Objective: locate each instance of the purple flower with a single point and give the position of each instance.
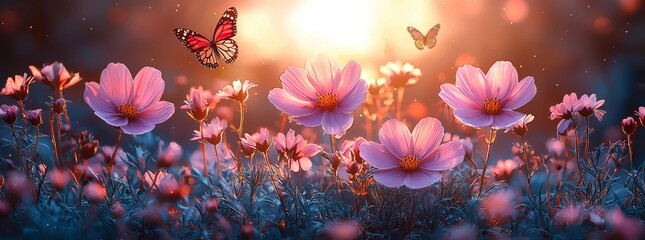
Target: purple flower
(519, 127)
(588, 105)
(321, 94)
(56, 76)
(35, 117)
(629, 125)
(482, 100)
(565, 111)
(212, 131)
(9, 113)
(411, 159)
(196, 105)
(169, 156)
(132, 105)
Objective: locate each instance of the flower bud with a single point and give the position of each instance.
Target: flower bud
(9, 113)
(117, 210)
(59, 106)
(35, 117)
(629, 126)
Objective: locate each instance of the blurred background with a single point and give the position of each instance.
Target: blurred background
(568, 46)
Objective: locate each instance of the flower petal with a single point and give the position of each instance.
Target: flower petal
(473, 118)
(350, 76)
(506, 118)
(354, 98)
(321, 71)
(148, 87)
(310, 150)
(522, 94)
(421, 179)
(396, 137)
(113, 119)
(289, 104)
(447, 156)
(454, 97)
(137, 126)
(312, 120)
(394, 177)
(73, 80)
(97, 99)
(378, 156)
(295, 82)
(116, 81)
(336, 122)
(158, 113)
(426, 136)
(500, 80)
(471, 83)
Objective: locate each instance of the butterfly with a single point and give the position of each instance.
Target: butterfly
(429, 40)
(210, 52)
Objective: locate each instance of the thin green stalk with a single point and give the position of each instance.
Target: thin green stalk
(489, 141)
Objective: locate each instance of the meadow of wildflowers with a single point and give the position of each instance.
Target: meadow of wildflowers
(401, 179)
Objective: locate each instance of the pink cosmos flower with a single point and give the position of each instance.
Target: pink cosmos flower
(519, 127)
(260, 141)
(482, 100)
(56, 76)
(498, 207)
(641, 115)
(400, 74)
(565, 111)
(95, 192)
(569, 215)
(196, 105)
(411, 159)
(212, 131)
(505, 169)
(132, 105)
(351, 162)
(296, 150)
(169, 156)
(237, 91)
(625, 227)
(18, 87)
(211, 99)
(555, 147)
(9, 113)
(321, 94)
(589, 105)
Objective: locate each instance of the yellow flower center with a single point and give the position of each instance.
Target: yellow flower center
(410, 163)
(128, 110)
(492, 106)
(327, 101)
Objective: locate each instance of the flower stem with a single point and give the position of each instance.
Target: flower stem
(240, 130)
(558, 197)
(399, 101)
(528, 170)
(116, 149)
(278, 192)
(587, 136)
(19, 148)
(33, 154)
(201, 134)
(490, 140)
(219, 164)
(53, 139)
(631, 164)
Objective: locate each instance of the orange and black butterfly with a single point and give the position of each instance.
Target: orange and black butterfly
(421, 41)
(221, 48)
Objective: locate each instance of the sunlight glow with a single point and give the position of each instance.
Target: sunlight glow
(333, 24)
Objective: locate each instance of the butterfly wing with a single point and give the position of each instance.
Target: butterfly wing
(419, 39)
(226, 28)
(198, 44)
(431, 36)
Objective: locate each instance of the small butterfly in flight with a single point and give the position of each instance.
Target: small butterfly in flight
(429, 40)
(221, 48)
